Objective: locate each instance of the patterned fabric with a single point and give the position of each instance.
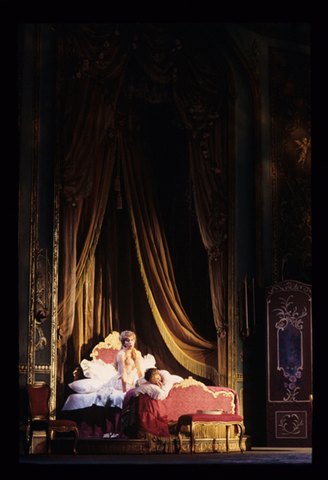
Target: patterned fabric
(153, 416)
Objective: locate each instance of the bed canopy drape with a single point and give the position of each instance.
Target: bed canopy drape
(102, 158)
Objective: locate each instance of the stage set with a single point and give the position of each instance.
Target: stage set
(165, 174)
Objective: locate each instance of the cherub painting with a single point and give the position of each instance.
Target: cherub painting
(303, 146)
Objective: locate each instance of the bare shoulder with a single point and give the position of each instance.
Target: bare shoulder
(120, 355)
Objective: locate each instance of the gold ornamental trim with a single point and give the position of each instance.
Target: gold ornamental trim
(34, 207)
(231, 362)
(111, 341)
(23, 369)
(55, 245)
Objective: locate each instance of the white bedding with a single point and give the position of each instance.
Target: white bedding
(102, 386)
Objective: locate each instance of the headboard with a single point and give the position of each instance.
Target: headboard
(107, 350)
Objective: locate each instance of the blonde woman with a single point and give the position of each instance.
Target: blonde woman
(105, 385)
(129, 366)
(128, 361)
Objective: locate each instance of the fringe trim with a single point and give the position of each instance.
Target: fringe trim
(198, 368)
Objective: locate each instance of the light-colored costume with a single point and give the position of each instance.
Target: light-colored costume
(103, 384)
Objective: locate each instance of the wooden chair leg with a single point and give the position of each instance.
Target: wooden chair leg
(227, 438)
(192, 443)
(48, 437)
(192, 437)
(179, 437)
(30, 439)
(180, 442)
(242, 431)
(76, 431)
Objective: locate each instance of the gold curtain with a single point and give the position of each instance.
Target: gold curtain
(190, 349)
(80, 228)
(96, 60)
(88, 156)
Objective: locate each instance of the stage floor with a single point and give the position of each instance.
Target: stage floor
(292, 456)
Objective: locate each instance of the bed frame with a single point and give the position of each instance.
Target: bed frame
(211, 437)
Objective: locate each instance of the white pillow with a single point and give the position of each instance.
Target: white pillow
(147, 361)
(140, 381)
(77, 401)
(85, 385)
(98, 369)
(169, 380)
(176, 378)
(158, 393)
(152, 390)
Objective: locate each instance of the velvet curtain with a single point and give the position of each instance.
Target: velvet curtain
(86, 176)
(210, 194)
(96, 137)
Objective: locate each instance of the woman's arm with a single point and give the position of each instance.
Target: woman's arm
(121, 368)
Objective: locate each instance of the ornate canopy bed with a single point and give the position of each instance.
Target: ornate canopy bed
(115, 264)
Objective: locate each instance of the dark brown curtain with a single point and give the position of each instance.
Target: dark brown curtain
(100, 135)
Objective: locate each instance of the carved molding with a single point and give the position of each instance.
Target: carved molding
(112, 341)
(43, 280)
(289, 337)
(55, 243)
(231, 300)
(290, 319)
(291, 424)
(54, 295)
(42, 294)
(34, 205)
(291, 285)
(22, 369)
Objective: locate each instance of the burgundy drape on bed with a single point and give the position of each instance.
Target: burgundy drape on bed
(100, 139)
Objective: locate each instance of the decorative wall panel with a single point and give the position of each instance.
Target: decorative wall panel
(291, 424)
(289, 364)
(38, 216)
(290, 104)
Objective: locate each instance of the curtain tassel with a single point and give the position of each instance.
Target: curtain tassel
(117, 185)
(119, 205)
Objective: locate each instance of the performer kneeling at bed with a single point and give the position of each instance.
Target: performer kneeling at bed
(152, 375)
(156, 383)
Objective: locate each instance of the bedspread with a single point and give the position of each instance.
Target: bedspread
(143, 413)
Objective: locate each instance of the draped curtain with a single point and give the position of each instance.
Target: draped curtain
(99, 135)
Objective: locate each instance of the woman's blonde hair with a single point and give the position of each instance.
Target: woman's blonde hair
(127, 334)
